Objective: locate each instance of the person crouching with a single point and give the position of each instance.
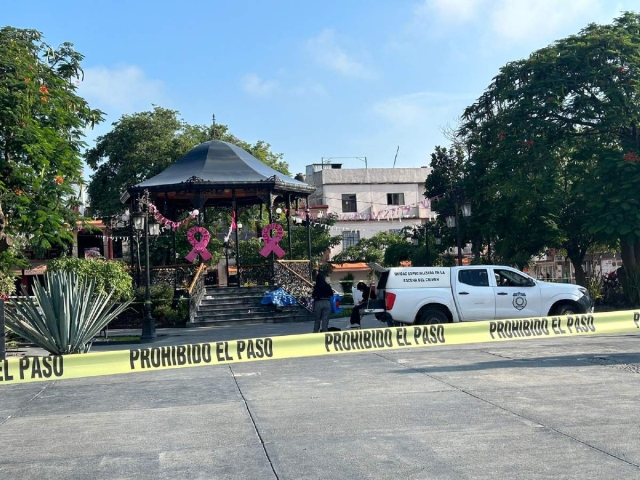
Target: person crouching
(354, 321)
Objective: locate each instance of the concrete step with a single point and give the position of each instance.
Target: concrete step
(233, 305)
(210, 309)
(248, 312)
(231, 300)
(237, 291)
(275, 318)
(213, 299)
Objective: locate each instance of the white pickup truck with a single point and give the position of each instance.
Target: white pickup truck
(430, 295)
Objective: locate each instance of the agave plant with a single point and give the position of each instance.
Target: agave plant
(64, 315)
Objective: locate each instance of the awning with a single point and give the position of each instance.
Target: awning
(353, 267)
(34, 270)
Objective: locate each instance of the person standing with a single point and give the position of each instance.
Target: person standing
(322, 293)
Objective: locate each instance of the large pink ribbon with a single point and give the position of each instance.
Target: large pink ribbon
(271, 243)
(199, 246)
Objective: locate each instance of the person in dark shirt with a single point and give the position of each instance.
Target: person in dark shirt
(322, 293)
(355, 313)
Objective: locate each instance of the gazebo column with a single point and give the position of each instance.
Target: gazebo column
(235, 216)
(289, 225)
(270, 214)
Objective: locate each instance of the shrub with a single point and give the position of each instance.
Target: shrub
(346, 283)
(109, 276)
(164, 313)
(161, 299)
(7, 284)
(65, 314)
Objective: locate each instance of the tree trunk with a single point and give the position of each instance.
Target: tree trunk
(576, 253)
(629, 276)
(5, 243)
(581, 278)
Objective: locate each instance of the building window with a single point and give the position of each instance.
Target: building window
(349, 239)
(349, 204)
(395, 198)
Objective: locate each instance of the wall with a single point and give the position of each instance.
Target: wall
(371, 187)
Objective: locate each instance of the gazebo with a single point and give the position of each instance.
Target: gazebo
(220, 174)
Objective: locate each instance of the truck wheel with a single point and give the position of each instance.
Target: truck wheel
(565, 309)
(432, 317)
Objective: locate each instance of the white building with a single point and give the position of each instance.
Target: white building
(368, 200)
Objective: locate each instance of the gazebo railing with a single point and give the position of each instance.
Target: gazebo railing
(176, 276)
(287, 274)
(261, 274)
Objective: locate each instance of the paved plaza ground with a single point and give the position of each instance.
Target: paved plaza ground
(564, 408)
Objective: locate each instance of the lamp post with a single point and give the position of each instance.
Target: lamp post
(142, 224)
(454, 222)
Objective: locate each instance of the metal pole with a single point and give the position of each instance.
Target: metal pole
(235, 211)
(426, 242)
(226, 254)
(3, 349)
(148, 323)
(289, 225)
(309, 239)
(458, 234)
(271, 255)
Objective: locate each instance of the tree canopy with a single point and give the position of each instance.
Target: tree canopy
(143, 144)
(42, 123)
(552, 148)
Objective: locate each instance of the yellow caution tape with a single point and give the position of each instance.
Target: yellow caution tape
(56, 367)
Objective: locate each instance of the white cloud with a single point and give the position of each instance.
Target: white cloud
(121, 89)
(418, 109)
(516, 20)
(414, 122)
(326, 51)
(520, 20)
(310, 88)
(254, 85)
(458, 11)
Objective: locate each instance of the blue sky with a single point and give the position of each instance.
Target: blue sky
(315, 79)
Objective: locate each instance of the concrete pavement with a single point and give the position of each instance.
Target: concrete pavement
(558, 409)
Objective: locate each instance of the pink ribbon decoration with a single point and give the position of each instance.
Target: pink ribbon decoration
(271, 243)
(199, 246)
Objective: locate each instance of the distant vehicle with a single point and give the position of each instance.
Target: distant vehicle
(431, 295)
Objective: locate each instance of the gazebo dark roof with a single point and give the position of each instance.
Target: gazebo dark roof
(220, 164)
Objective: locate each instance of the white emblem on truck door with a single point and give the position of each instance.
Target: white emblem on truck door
(519, 300)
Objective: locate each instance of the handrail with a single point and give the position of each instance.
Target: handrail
(196, 276)
(163, 267)
(293, 261)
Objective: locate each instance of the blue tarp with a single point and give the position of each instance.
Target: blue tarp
(278, 297)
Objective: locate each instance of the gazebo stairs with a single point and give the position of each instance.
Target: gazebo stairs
(240, 305)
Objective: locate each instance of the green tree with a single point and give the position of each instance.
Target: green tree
(559, 134)
(372, 249)
(138, 147)
(144, 144)
(109, 277)
(42, 123)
